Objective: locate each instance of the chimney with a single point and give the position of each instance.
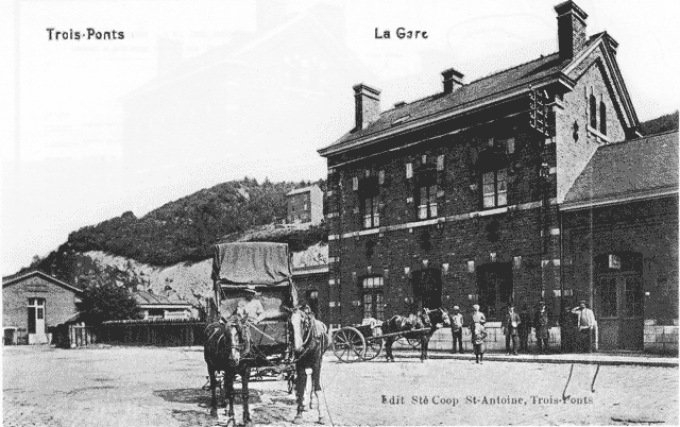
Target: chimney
(366, 105)
(571, 29)
(452, 80)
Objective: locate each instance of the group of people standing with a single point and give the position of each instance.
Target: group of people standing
(517, 328)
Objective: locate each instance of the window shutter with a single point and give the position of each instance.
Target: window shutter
(381, 177)
(409, 170)
(355, 183)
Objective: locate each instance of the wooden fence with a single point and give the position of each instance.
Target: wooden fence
(156, 332)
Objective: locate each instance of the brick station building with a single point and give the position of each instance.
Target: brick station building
(456, 198)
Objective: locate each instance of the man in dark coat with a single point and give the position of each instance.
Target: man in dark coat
(524, 329)
(510, 327)
(541, 325)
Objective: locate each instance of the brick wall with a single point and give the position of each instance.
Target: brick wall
(575, 142)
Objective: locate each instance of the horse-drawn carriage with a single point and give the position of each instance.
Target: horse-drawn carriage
(365, 342)
(261, 329)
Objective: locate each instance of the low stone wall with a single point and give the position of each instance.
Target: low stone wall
(661, 339)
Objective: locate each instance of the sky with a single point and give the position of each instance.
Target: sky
(74, 147)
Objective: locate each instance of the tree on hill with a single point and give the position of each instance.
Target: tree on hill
(661, 124)
(107, 301)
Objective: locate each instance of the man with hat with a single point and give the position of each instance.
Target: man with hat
(510, 327)
(251, 309)
(457, 329)
(541, 326)
(586, 326)
(524, 328)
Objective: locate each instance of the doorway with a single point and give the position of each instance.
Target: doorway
(494, 287)
(36, 321)
(619, 302)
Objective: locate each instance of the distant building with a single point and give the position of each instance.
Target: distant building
(305, 205)
(32, 303)
(159, 307)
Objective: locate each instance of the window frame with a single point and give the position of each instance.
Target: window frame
(376, 302)
(592, 111)
(374, 212)
(496, 191)
(603, 119)
(431, 208)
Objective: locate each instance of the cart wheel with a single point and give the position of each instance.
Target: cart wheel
(373, 348)
(349, 345)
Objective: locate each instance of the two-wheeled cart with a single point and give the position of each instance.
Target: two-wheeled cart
(365, 342)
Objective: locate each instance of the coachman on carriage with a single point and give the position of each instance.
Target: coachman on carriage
(260, 325)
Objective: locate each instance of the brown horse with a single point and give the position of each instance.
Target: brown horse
(309, 343)
(223, 352)
(428, 319)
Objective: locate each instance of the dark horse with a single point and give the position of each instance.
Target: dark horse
(427, 319)
(309, 343)
(222, 352)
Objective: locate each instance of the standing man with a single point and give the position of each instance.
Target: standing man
(477, 333)
(510, 327)
(541, 323)
(524, 329)
(586, 326)
(457, 329)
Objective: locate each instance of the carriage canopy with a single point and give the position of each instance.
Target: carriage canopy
(261, 264)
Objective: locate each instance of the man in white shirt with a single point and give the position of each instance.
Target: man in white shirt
(586, 327)
(251, 310)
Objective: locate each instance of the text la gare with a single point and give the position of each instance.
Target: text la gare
(401, 33)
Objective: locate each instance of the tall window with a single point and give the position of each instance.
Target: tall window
(495, 188)
(373, 299)
(371, 214)
(427, 202)
(593, 112)
(603, 118)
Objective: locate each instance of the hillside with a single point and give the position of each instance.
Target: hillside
(183, 230)
(660, 124)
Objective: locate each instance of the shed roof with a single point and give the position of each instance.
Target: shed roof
(628, 170)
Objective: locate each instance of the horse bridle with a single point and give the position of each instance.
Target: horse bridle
(307, 321)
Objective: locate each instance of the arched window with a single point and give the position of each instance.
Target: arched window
(593, 112)
(603, 118)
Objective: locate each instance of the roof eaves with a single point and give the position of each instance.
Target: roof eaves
(452, 112)
(40, 273)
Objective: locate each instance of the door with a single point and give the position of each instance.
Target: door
(619, 311)
(494, 287)
(36, 321)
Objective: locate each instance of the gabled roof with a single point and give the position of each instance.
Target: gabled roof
(472, 94)
(627, 171)
(145, 299)
(503, 85)
(13, 279)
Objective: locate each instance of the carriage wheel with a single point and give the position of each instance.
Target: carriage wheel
(349, 345)
(373, 348)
